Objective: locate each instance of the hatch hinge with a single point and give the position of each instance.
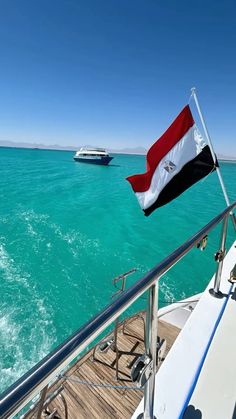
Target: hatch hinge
(219, 256)
(203, 243)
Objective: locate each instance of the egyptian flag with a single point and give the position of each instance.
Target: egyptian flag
(177, 160)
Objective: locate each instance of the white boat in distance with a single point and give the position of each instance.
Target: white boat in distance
(93, 155)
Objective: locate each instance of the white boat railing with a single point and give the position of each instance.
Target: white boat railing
(38, 378)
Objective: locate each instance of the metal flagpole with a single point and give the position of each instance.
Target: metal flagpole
(193, 90)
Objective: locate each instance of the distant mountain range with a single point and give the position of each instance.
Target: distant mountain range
(135, 150)
(36, 145)
(127, 150)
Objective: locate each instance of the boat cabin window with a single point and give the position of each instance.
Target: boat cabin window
(92, 155)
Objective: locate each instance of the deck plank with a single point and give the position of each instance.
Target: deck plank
(85, 402)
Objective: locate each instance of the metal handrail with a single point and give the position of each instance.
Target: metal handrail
(21, 392)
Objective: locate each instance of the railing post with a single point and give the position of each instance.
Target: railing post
(41, 402)
(151, 348)
(215, 292)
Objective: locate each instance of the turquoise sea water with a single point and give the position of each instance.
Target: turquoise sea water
(67, 229)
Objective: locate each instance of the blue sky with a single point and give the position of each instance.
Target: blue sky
(115, 73)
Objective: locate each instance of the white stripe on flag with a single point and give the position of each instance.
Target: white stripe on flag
(184, 151)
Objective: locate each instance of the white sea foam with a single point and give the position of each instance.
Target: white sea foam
(31, 230)
(31, 215)
(32, 222)
(75, 240)
(9, 271)
(167, 290)
(14, 362)
(26, 328)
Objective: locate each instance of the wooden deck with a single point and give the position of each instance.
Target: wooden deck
(86, 401)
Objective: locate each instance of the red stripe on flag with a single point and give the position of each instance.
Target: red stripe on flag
(176, 131)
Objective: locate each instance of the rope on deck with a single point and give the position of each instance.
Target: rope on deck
(87, 383)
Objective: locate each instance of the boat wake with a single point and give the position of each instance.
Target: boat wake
(26, 331)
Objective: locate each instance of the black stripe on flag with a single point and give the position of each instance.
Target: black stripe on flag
(191, 173)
